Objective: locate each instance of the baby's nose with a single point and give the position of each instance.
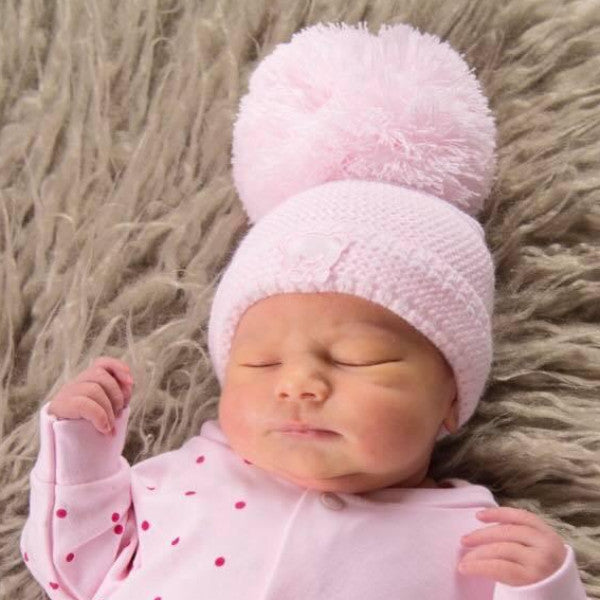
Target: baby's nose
(301, 385)
(286, 395)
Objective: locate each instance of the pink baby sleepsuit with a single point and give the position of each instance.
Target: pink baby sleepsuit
(201, 523)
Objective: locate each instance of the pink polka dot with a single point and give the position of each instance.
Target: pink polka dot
(70, 557)
(200, 459)
(247, 462)
(26, 557)
(175, 542)
(158, 598)
(54, 585)
(118, 529)
(145, 525)
(220, 561)
(61, 513)
(190, 493)
(115, 517)
(240, 504)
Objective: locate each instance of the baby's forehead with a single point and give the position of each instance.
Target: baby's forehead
(326, 305)
(329, 313)
(350, 330)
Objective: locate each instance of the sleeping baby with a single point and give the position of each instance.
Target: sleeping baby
(349, 333)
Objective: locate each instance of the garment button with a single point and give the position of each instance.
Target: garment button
(333, 501)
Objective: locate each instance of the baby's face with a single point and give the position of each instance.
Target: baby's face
(338, 363)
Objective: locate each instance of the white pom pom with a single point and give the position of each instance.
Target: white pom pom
(337, 102)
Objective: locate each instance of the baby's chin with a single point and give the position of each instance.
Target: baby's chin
(347, 483)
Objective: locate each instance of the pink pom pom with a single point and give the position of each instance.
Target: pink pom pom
(337, 102)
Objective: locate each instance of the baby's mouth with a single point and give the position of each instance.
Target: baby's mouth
(305, 431)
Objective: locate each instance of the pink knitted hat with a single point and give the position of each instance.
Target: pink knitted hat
(361, 160)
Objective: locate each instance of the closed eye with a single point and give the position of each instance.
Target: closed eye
(382, 362)
(373, 364)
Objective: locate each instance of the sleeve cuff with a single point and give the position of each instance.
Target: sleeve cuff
(562, 584)
(73, 451)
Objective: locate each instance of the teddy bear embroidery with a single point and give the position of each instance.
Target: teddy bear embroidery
(311, 256)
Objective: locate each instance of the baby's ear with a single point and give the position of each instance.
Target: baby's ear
(451, 419)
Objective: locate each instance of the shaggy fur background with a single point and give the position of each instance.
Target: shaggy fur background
(117, 215)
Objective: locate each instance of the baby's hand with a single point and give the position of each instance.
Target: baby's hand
(522, 551)
(96, 394)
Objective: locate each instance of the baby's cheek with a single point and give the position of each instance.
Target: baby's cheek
(232, 417)
(385, 433)
(374, 436)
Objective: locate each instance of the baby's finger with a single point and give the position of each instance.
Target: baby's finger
(516, 553)
(115, 366)
(514, 516)
(112, 363)
(117, 393)
(504, 533)
(81, 407)
(118, 369)
(93, 392)
(502, 571)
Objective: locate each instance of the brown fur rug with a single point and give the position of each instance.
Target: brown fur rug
(118, 213)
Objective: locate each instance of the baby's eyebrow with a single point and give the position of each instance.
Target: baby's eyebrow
(376, 328)
(342, 329)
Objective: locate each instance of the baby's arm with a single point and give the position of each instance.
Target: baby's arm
(79, 518)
